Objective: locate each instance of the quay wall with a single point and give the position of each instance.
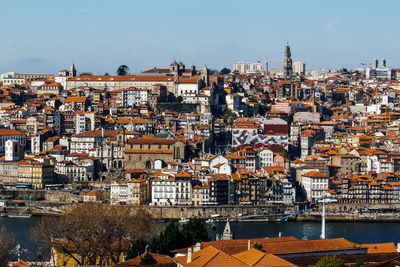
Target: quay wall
(348, 207)
(350, 218)
(40, 195)
(205, 212)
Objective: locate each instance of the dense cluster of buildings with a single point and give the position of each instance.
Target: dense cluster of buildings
(182, 136)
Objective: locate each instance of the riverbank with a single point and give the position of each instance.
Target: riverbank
(267, 213)
(350, 217)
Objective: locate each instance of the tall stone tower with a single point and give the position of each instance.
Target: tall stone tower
(72, 71)
(287, 63)
(383, 63)
(205, 75)
(375, 63)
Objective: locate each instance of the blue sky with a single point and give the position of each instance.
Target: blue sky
(48, 35)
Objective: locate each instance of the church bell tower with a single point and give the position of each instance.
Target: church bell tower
(287, 63)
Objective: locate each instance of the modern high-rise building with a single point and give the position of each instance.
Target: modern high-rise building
(287, 63)
(249, 67)
(299, 68)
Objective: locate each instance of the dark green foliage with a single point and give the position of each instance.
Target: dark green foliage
(137, 248)
(122, 70)
(86, 74)
(358, 263)
(229, 116)
(194, 231)
(366, 145)
(147, 259)
(175, 237)
(179, 99)
(329, 261)
(262, 109)
(257, 246)
(169, 239)
(171, 98)
(225, 71)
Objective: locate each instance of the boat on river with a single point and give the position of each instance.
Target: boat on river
(19, 215)
(183, 220)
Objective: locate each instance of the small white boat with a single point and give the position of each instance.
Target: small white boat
(183, 220)
(26, 215)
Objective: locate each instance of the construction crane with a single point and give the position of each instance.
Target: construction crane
(387, 115)
(267, 61)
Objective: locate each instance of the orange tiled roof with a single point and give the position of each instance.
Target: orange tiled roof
(381, 248)
(10, 132)
(161, 260)
(210, 256)
(254, 257)
(148, 151)
(153, 140)
(315, 174)
(75, 99)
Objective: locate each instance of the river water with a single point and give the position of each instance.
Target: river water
(359, 232)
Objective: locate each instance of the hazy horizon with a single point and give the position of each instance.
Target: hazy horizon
(98, 36)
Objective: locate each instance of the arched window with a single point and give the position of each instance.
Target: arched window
(120, 164)
(178, 152)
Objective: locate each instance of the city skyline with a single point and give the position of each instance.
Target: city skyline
(98, 36)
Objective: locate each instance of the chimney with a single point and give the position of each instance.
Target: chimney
(248, 245)
(197, 247)
(280, 234)
(189, 255)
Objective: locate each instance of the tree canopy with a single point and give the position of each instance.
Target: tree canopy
(175, 237)
(86, 73)
(147, 259)
(329, 261)
(225, 71)
(7, 243)
(122, 70)
(98, 233)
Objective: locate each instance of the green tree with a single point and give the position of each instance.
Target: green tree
(358, 263)
(194, 231)
(179, 99)
(138, 247)
(86, 74)
(329, 261)
(257, 246)
(122, 70)
(229, 116)
(225, 71)
(171, 98)
(175, 237)
(366, 145)
(147, 259)
(167, 240)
